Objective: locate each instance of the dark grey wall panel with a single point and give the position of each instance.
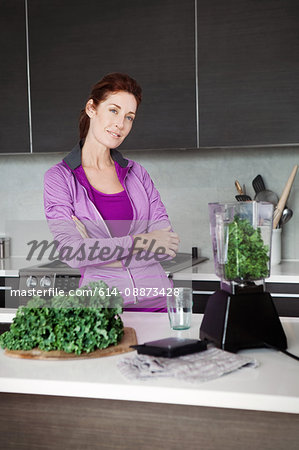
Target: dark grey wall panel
(248, 72)
(14, 130)
(74, 43)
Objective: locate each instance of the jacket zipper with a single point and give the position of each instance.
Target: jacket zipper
(134, 218)
(108, 231)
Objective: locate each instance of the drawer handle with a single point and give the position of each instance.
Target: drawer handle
(203, 292)
(275, 294)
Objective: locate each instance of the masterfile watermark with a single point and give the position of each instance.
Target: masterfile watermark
(91, 292)
(95, 253)
(54, 292)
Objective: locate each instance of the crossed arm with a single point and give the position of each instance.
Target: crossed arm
(155, 239)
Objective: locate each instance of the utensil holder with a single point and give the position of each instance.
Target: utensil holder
(276, 246)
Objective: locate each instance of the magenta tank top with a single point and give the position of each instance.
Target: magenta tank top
(116, 210)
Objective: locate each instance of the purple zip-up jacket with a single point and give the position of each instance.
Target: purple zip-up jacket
(66, 193)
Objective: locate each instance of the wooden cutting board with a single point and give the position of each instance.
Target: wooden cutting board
(129, 338)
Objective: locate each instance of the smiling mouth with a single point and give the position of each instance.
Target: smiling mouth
(114, 135)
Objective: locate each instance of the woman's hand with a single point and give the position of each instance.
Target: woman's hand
(80, 227)
(156, 239)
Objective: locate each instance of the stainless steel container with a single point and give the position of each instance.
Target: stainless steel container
(4, 247)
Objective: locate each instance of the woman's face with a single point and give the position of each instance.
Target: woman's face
(111, 121)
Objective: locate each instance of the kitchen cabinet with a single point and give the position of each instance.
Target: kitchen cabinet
(285, 295)
(248, 72)
(62, 422)
(87, 403)
(74, 43)
(14, 112)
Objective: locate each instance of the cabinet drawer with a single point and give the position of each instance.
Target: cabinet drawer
(289, 289)
(286, 306)
(201, 292)
(7, 300)
(285, 295)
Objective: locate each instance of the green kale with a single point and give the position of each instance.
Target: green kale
(78, 323)
(247, 255)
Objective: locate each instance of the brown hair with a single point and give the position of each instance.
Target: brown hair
(113, 82)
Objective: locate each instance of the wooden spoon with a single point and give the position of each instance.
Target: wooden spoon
(284, 197)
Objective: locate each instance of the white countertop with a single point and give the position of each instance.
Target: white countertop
(273, 386)
(9, 267)
(285, 272)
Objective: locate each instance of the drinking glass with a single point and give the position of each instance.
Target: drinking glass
(179, 307)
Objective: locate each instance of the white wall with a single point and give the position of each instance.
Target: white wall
(187, 180)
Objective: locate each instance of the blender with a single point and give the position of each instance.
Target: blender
(241, 314)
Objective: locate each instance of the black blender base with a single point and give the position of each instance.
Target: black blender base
(244, 320)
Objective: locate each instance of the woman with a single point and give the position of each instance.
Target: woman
(104, 211)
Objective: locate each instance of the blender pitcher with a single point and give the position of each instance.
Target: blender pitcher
(241, 240)
(241, 314)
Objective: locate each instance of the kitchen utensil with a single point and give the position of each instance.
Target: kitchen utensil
(258, 184)
(267, 196)
(239, 189)
(128, 339)
(171, 347)
(284, 197)
(231, 225)
(241, 314)
(287, 214)
(241, 197)
(261, 193)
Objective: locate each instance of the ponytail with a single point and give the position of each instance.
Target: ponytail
(84, 122)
